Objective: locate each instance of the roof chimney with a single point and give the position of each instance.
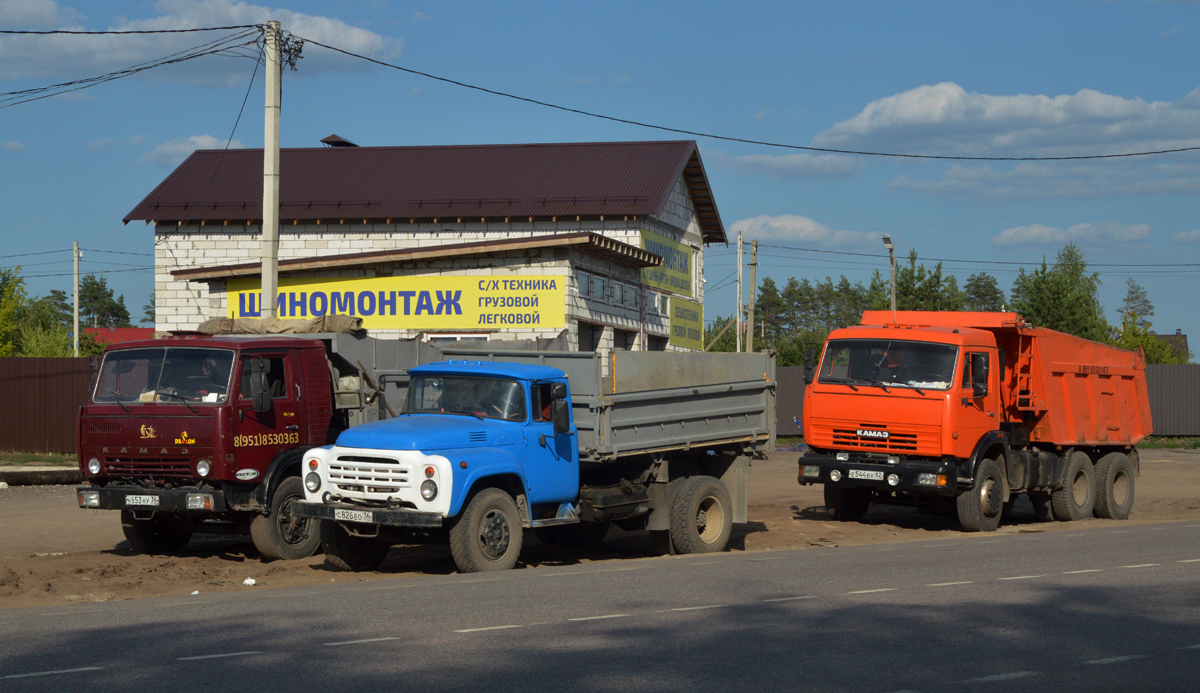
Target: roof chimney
(335, 141)
(1178, 331)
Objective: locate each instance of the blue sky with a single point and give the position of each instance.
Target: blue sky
(980, 78)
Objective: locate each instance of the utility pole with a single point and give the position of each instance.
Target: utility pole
(891, 248)
(753, 290)
(740, 294)
(270, 206)
(75, 321)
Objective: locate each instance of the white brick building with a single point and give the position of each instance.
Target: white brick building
(584, 212)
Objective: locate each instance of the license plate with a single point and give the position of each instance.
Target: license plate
(141, 500)
(865, 474)
(356, 515)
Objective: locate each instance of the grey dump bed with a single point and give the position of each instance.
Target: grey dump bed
(639, 402)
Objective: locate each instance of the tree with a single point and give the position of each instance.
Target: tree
(1064, 297)
(982, 293)
(728, 340)
(1136, 302)
(12, 301)
(98, 307)
(917, 288)
(1135, 333)
(148, 309)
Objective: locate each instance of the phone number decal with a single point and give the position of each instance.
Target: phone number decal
(259, 439)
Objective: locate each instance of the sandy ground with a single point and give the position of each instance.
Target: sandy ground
(52, 552)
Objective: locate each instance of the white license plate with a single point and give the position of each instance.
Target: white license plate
(865, 474)
(141, 500)
(356, 515)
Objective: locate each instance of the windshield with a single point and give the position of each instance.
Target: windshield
(164, 375)
(491, 398)
(891, 362)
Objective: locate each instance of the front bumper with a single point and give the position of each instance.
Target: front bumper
(345, 512)
(165, 500)
(907, 472)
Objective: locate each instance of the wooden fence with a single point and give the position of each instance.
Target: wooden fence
(39, 403)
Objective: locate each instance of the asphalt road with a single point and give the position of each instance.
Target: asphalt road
(1111, 608)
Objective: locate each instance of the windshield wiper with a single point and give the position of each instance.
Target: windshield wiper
(179, 397)
(840, 381)
(465, 413)
(116, 397)
(874, 382)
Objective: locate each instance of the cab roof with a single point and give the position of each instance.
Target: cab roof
(243, 341)
(499, 369)
(942, 334)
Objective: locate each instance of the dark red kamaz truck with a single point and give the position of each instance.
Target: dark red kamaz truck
(204, 433)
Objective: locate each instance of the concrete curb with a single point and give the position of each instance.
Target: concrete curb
(39, 476)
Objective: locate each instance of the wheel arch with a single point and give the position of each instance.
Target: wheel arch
(286, 463)
(992, 445)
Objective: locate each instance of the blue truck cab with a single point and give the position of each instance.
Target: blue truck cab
(480, 449)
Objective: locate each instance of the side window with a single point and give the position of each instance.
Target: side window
(542, 397)
(975, 371)
(276, 382)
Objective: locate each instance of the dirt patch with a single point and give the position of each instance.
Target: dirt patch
(63, 555)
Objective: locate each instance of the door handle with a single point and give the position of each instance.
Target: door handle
(295, 427)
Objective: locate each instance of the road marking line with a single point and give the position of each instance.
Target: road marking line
(1140, 565)
(773, 558)
(705, 563)
(947, 584)
(480, 630)
(1121, 531)
(573, 572)
(358, 642)
(218, 656)
(1002, 677)
(1191, 560)
(789, 599)
(1076, 572)
(1158, 529)
(1021, 577)
(50, 673)
(1113, 660)
(1190, 647)
(881, 589)
(598, 618)
(697, 608)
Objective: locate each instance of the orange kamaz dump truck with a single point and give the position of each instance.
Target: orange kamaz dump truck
(963, 412)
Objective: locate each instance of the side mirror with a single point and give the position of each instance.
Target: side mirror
(979, 375)
(808, 365)
(558, 391)
(978, 390)
(560, 412)
(260, 396)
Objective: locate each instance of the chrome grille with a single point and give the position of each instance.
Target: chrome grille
(368, 474)
(895, 442)
(156, 466)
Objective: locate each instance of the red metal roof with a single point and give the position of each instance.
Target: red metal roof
(117, 335)
(493, 181)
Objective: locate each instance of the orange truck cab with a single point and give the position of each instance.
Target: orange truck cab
(963, 412)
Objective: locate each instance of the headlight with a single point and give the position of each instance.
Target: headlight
(199, 501)
(812, 470)
(203, 468)
(842, 456)
(89, 499)
(428, 489)
(893, 480)
(312, 482)
(93, 466)
(835, 475)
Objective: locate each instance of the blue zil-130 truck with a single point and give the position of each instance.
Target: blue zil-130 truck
(502, 441)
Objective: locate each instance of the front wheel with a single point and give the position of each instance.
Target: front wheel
(980, 507)
(344, 551)
(701, 516)
(280, 535)
(846, 504)
(158, 535)
(488, 533)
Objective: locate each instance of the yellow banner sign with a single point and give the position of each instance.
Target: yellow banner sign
(687, 323)
(675, 273)
(414, 303)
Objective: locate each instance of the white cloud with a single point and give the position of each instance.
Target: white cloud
(798, 229)
(763, 114)
(172, 153)
(1048, 180)
(14, 146)
(948, 120)
(799, 165)
(1186, 237)
(96, 145)
(39, 57)
(34, 14)
(1106, 232)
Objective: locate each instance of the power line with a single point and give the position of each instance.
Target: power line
(41, 252)
(136, 31)
(695, 133)
(958, 260)
(113, 252)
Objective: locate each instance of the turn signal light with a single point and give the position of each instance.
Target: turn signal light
(429, 472)
(89, 499)
(313, 464)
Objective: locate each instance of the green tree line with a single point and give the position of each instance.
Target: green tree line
(1062, 296)
(41, 326)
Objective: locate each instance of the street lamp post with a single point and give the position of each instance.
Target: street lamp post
(887, 243)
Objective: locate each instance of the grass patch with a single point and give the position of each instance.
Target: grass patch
(40, 459)
(788, 441)
(1174, 442)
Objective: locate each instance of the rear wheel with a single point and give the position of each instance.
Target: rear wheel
(701, 516)
(344, 551)
(488, 533)
(1114, 486)
(846, 504)
(158, 535)
(280, 535)
(1076, 499)
(980, 508)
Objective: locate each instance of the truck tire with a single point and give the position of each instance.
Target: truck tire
(1114, 486)
(279, 536)
(1043, 506)
(156, 536)
(846, 504)
(1077, 497)
(349, 553)
(980, 507)
(488, 533)
(701, 516)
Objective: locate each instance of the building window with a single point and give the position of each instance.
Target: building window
(624, 339)
(618, 293)
(656, 343)
(585, 284)
(589, 336)
(598, 289)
